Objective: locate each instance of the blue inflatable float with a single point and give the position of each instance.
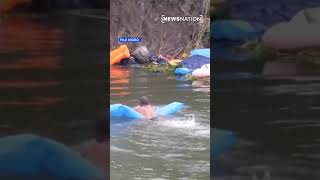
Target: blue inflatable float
(123, 111)
(182, 71)
(30, 155)
(170, 109)
(221, 141)
(202, 52)
(119, 110)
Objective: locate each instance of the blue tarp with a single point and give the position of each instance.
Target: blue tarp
(195, 62)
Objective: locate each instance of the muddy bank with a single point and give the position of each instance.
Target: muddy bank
(143, 19)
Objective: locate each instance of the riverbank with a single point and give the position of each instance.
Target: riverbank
(276, 38)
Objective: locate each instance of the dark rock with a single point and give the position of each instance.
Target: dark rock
(141, 55)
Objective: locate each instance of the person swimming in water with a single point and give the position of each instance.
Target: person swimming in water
(145, 108)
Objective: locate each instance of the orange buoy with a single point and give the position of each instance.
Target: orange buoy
(8, 5)
(118, 54)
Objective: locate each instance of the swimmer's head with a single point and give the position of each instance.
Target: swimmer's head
(143, 101)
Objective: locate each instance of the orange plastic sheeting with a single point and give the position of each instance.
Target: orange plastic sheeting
(7, 5)
(118, 54)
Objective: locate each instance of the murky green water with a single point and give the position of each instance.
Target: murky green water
(277, 121)
(172, 148)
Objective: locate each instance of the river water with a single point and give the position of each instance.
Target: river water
(52, 75)
(277, 120)
(172, 148)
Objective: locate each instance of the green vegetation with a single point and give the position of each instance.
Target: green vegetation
(190, 77)
(162, 68)
(311, 57)
(260, 52)
(305, 57)
(263, 54)
(169, 70)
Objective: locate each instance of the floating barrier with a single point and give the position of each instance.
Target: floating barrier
(119, 110)
(170, 109)
(123, 111)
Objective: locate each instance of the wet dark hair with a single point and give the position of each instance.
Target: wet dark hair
(144, 101)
